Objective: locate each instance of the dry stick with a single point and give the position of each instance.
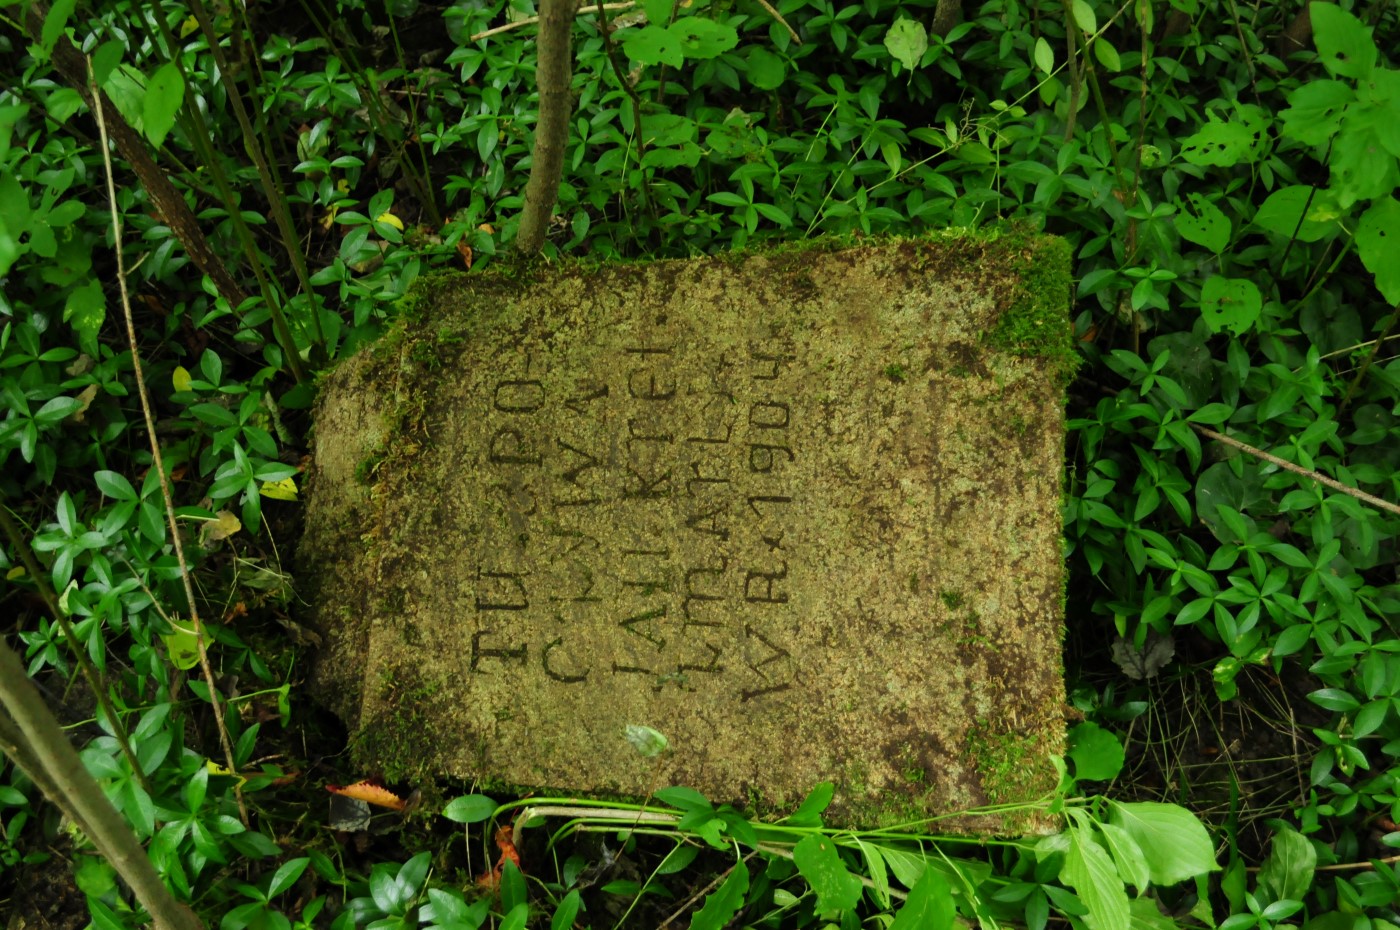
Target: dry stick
(94, 680)
(531, 20)
(779, 17)
(159, 463)
(79, 795)
(552, 75)
(1299, 470)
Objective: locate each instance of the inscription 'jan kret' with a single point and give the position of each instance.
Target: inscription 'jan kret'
(702, 597)
(793, 512)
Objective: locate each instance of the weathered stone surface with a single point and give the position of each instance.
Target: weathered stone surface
(799, 512)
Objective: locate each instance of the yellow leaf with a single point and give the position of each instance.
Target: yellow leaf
(181, 378)
(284, 489)
(188, 26)
(16, 571)
(182, 645)
(224, 525)
(394, 221)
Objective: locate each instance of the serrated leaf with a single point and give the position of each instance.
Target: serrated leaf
(1174, 843)
(907, 41)
(820, 864)
(1378, 243)
(1157, 651)
(1219, 144)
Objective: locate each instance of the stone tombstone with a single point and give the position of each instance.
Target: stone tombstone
(797, 511)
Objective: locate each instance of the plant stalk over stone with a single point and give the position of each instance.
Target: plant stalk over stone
(553, 71)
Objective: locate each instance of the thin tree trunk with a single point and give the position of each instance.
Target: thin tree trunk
(552, 77)
(164, 197)
(45, 753)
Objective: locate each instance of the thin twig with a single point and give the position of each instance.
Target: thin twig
(531, 20)
(779, 17)
(690, 901)
(1299, 470)
(159, 462)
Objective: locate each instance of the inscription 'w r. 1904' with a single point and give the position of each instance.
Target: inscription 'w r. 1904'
(640, 525)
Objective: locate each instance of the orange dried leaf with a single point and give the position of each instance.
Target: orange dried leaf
(370, 793)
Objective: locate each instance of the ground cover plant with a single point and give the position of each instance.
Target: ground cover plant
(1226, 178)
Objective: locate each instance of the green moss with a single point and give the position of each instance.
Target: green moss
(1006, 761)
(1037, 322)
(896, 373)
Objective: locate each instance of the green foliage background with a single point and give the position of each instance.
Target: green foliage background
(1228, 192)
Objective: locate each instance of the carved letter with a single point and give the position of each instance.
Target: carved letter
(761, 456)
(769, 415)
(519, 654)
(519, 396)
(501, 598)
(508, 448)
(557, 676)
(766, 580)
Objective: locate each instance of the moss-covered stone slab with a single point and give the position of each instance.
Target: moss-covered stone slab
(799, 512)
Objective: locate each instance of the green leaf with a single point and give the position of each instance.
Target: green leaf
(1315, 111)
(647, 741)
(1202, 223)
(721, 905)
(1344, 43)
(114, 485)
(685, 799)
(1288, 872)
(1084, 16)
(1283, 213)
(819, 862)
(1173, 841)
(929, 905)
(1335, 699)
(652, 45)
(165, 92)
(566, 912)
(1127, 857)
(85, 310)
(1362, 167)
(105, 59)
(764, 69)
(1044, 55)
(1220, 144)
(1230, 303)
(182, 647)
(286, 876)
(1089, 870)
(1378, 243)
(1096, 753)
(703, 38)
(54, 24)
(1107, 55)
(907, 40)
(470, 808)
(63, 103)
(809, 814)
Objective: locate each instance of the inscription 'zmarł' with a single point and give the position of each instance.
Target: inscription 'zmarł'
(792, 512)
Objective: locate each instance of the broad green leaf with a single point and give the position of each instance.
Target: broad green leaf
(721, 905)
(647, 741)
(809, 813)
(85, 310)
(566, 912)
(54, 24)
(470, 808)
(1283, 213)
(653, 45)
(1378, 243)
(703, 38)
(685, 799)
(1127, 857)
(1089, 870)
(1173, 841)
(929, 905)
(1315, 110)
(1288, 872)
(182, 647)
(907, 41)
(1044, 55)
(1107, 55)
(105, 59)
(1096, 753)
(63, 103)
(165, 92)
(764, 69)
(1220, 144)
(1230, 303)
(1344, 43)
(114, 485)
(1084, 16)
(1203, 223)
(1361, 166)
(820, 863)
(659, 11)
